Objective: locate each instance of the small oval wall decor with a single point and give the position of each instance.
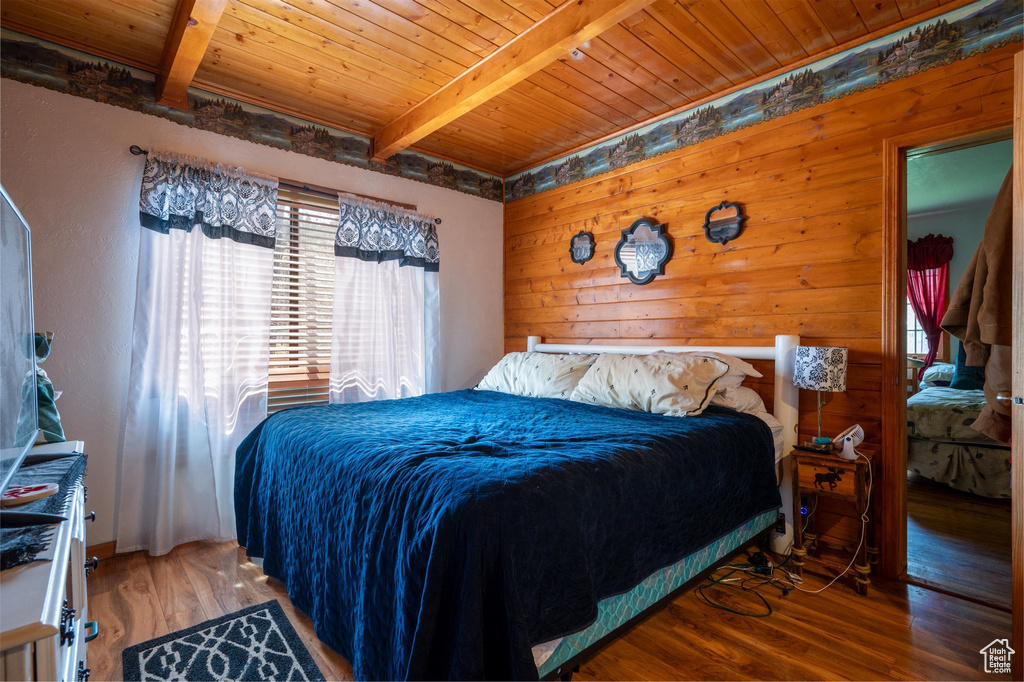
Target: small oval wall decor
(642, 251)
(581, 247)
(723, 222)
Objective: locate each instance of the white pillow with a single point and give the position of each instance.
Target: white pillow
(937, 374)
(744, 399)
(537, 375)
(738, 369)
(676, 384)
(739, 398)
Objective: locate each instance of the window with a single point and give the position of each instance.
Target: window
(302, 299)
(917, 340)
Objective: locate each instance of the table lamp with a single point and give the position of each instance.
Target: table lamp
(820, 368)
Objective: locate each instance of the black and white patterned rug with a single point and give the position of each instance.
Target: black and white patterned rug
(256, 643)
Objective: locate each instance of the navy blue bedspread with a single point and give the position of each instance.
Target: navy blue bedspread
(442, 536)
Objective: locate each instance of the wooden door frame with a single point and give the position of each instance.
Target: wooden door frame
(1017, 481)
(892, 491)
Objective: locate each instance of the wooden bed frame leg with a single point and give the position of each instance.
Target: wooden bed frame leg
(567, 676)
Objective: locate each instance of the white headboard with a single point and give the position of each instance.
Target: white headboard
(787, 396)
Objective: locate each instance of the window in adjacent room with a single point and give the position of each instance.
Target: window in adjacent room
(302, 300)
(917, 340)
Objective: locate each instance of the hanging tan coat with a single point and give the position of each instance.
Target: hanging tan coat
(980, 312)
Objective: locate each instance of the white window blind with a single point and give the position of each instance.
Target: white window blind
(302, 299)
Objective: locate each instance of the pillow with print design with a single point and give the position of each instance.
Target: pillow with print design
(938, 374)
(537, 375)
(739, 370)
(674, 384)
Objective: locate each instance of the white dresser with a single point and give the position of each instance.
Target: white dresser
(44, 624)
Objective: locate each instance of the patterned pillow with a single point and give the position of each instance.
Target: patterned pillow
(739, 370)
(537, 375)
(938, 374)
(676, 384)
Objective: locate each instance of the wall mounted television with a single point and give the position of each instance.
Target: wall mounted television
(19, 416)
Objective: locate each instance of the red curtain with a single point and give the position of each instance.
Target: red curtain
(928, 286)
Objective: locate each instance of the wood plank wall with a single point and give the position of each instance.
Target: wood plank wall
(808, 261)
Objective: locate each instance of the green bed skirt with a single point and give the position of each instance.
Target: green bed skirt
(619, 609)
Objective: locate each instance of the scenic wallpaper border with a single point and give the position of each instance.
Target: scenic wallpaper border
(976, 28)
(39, 62)
(959, 34)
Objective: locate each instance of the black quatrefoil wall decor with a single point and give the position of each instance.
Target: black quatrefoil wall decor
(581, 247)
(723, 222)
(642, 251)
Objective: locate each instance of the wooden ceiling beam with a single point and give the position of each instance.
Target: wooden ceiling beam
(566, 28)
(193, 26)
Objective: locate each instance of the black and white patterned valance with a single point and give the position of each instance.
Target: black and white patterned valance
(179, 193)
(378, 232)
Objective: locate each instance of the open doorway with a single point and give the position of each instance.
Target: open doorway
(958, 479)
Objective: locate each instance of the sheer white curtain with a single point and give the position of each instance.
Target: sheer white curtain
(386, 323)
(200, 349)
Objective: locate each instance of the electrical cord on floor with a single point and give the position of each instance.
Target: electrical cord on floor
(728, 581)
(756, 578)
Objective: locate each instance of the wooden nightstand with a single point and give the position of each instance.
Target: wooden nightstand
(828, 475)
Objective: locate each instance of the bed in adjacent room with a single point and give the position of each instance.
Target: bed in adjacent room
(943, 447)
(481, 534)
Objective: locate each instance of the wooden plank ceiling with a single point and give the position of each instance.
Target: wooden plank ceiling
(360, 65)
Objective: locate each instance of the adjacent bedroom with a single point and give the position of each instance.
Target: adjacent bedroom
(958, 451)
(511, 340)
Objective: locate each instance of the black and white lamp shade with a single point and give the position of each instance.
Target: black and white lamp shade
(820, 368)
(581, 247)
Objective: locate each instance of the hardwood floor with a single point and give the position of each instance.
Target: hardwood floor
(135, 597)
(897, 632)
(958, 542)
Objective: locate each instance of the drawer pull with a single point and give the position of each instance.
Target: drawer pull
(91, 516)
(92, 630)
(91, 565)
(83, 672)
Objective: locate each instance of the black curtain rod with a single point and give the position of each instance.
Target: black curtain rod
(139, 151)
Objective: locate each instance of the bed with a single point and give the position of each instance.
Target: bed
(943, 447)
(481, 535)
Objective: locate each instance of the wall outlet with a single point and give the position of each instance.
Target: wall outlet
(780, 523)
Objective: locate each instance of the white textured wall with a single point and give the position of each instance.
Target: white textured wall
(965, 224)
(65, 162)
